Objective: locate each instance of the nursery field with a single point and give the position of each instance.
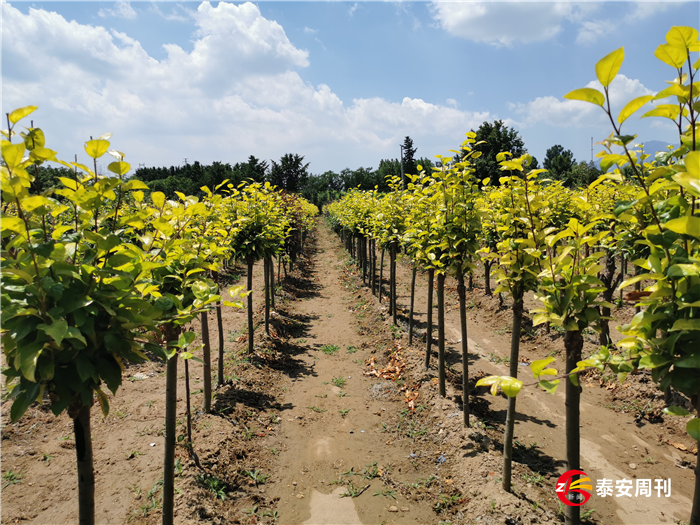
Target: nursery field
(481, 344)
(321, 409)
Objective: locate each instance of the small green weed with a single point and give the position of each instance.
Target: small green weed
(330, 349)
(317, 409)
(214, 485)
(12, 478)
(339, 381)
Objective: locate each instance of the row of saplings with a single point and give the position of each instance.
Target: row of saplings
(100, 271)
(443, 219)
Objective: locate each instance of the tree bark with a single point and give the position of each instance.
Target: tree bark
(86, 473)
(573, 342)
(271, 266)
(487, 278)
(393, 282)
(429, 327)
(266, 275)
(695, 512)
(250, 261)
(171, 334)
(465, 345)
(220, 324)
(413, 297)
(381, 277)
(206, 357)
(441, 334)
(510, 414)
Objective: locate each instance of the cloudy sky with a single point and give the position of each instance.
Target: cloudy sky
(340, 83)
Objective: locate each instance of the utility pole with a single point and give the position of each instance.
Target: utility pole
(403, 176)
(591, 149)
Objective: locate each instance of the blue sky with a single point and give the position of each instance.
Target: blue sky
(340, 83)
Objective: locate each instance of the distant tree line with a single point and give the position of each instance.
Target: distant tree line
(291, 173)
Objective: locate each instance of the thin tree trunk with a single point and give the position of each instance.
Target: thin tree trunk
(271, 266)
(279, 266)
(206, 357)
(250, 261)
(220, 324)
(573, 342)
(373, 251)
(429, 328)
(381, 276)
(171, 334)
(363, 256)
(86, 473)
(465, 345)
(266, 274)
(413, 297)
(441, 334)
(471, 281)
(393, 282)
(510, 414)
(188, 404)
(695, 512)
(487, 278)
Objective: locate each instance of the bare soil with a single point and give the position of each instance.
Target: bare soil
(333, 420)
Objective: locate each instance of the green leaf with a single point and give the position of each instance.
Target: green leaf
(28, 355)
(632, 106)
(685, 324)
(186, 339)
(675, 411)
(104, 402)
(57, 330)
(689, 362)
(20, 113)
(549, 386)
(587, 95)
(96, 148)
(693, 428)
(164, 303)
(654, 361)
(607, 67)
(25, 398)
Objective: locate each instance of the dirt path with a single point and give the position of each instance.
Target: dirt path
(333, 424)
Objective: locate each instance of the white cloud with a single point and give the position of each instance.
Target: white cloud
(310, 31)
(452, 103)
(572, 113)
(178, 14)
(204, 104)
(505, 23)
(353, 8)
(122, 9)
(591, 30)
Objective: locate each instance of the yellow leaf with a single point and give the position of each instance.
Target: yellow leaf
(96, 148)
(20, 113)
(670, 55)
(607, 67)
(587, 95)
(682, 37)
(632, 106)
